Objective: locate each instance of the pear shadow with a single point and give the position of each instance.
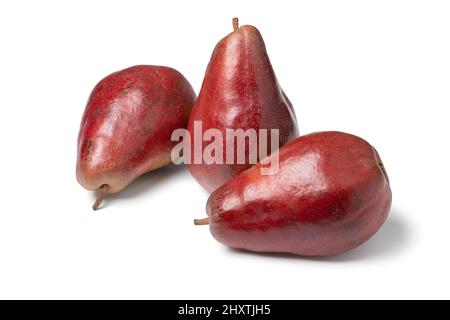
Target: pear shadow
(394, 237)
(145, 183)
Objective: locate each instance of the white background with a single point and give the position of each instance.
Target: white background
(378, 69)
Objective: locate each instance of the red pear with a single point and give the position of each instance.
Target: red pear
(127, 125)
(330, 194)
(239, 91)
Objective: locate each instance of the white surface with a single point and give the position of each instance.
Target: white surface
(378, 69)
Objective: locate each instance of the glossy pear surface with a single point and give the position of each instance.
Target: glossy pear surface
(330, 194)
(239, 91)
(127, 125)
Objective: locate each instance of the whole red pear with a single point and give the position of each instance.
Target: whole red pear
(330, 194)
(127, 125)
(239, 91)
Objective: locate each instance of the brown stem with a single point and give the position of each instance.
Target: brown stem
(201, 222)
(100, 193)
(236, 24)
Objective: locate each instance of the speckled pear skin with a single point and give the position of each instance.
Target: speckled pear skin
(239, 91)
(127, 125)
(330, 195)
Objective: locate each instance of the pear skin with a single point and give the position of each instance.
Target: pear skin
(330, 195)
(127, 126)
(239, 91)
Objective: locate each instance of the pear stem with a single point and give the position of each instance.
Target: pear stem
(201, 222)
(236, 24)
(100, 194)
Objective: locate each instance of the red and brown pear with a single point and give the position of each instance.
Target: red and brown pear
(239, 91)
(330, 194)
(127, 126)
